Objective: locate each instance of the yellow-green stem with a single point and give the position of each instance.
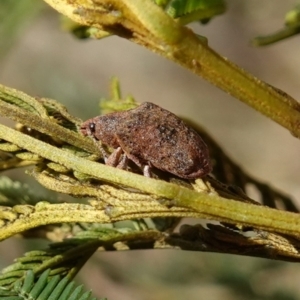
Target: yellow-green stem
(212, 205)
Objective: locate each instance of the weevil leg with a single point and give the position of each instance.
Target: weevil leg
(123, 162)
(114, 159)
(147, 171)
(105, 154)
(146, 168)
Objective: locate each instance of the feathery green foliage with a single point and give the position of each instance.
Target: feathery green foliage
(44, 287)
(113, 209)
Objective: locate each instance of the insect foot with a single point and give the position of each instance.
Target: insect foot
(151, 136)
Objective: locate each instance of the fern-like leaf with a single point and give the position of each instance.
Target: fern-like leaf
(44, 287)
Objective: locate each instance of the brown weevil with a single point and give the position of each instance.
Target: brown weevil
(150, 136)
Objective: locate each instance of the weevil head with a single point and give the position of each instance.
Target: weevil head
(102, 128)
(88, 128)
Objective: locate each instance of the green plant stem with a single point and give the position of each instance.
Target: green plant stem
(151, 27)
(211, 205)
(276, 37)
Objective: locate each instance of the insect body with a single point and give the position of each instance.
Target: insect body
(151, 136)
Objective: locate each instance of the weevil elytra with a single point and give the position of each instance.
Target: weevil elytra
(151, 136)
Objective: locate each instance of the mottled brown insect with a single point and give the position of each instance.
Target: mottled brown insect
(151, 136)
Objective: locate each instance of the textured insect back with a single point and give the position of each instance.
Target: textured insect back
(151, 136)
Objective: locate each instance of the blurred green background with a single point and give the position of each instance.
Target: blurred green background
(42, 60)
